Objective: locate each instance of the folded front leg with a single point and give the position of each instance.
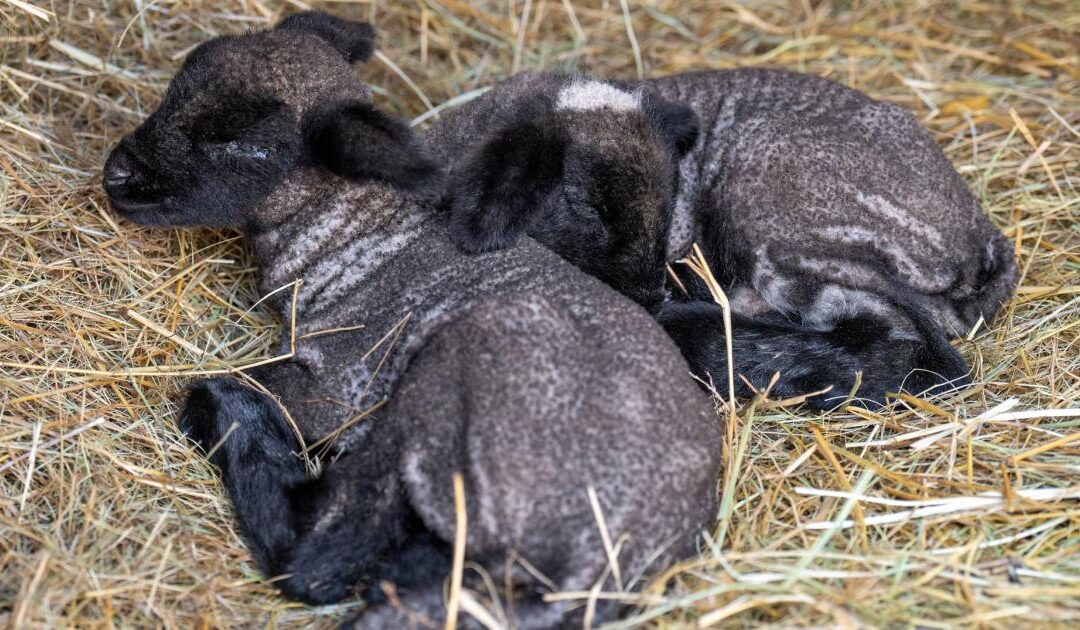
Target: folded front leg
(247, 438)
(325, 534)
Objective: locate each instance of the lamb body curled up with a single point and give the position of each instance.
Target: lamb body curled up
(515, 161)
(533, 380)
(836, 218)
(797, 172)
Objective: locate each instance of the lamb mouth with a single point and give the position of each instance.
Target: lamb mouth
(133, 208)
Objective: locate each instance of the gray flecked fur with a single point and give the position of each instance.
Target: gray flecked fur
(811, 196)
(532, 379)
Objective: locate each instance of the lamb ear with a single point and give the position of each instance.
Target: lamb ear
(354, 40)
(676, 121)
(356, 141)
(502, 186)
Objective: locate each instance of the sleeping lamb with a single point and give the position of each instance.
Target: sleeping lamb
(533, 380)
(582, 166)
(784, 188)
(840, 232)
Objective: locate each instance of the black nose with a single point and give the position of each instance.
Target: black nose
(117, 176)
(119, 172)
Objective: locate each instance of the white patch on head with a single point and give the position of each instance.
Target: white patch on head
(588, 94)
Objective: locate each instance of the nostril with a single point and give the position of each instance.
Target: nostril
(117, 177)
(118, 170)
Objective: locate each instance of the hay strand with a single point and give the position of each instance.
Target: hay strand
(935, 513)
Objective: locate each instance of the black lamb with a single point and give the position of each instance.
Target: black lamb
(786, 185)
(842, 235)
(536, 382)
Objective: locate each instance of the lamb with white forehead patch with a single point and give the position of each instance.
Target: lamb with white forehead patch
(580, 164)
(838, 217)
(533, 380)
(583, 166)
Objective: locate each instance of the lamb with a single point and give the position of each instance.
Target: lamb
(526, 172)
(533, 380)
(579, 164)
(843, 236)
(774, 190)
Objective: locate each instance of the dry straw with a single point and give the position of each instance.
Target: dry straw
(959, 511)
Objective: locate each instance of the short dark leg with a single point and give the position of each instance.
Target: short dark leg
(809, 360)
(256, 459)
(325, 534)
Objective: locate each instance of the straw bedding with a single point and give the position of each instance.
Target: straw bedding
(961, 511)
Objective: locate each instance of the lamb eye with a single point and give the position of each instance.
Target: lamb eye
(246, 150)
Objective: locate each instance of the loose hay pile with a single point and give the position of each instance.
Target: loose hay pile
(955, 511)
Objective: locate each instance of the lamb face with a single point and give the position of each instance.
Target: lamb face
(584, 166)
(241, 113)
(273, 133)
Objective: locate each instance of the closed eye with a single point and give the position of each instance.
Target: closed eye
(227, 133)
(237, 148)
(594, 203)
(578, 201)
